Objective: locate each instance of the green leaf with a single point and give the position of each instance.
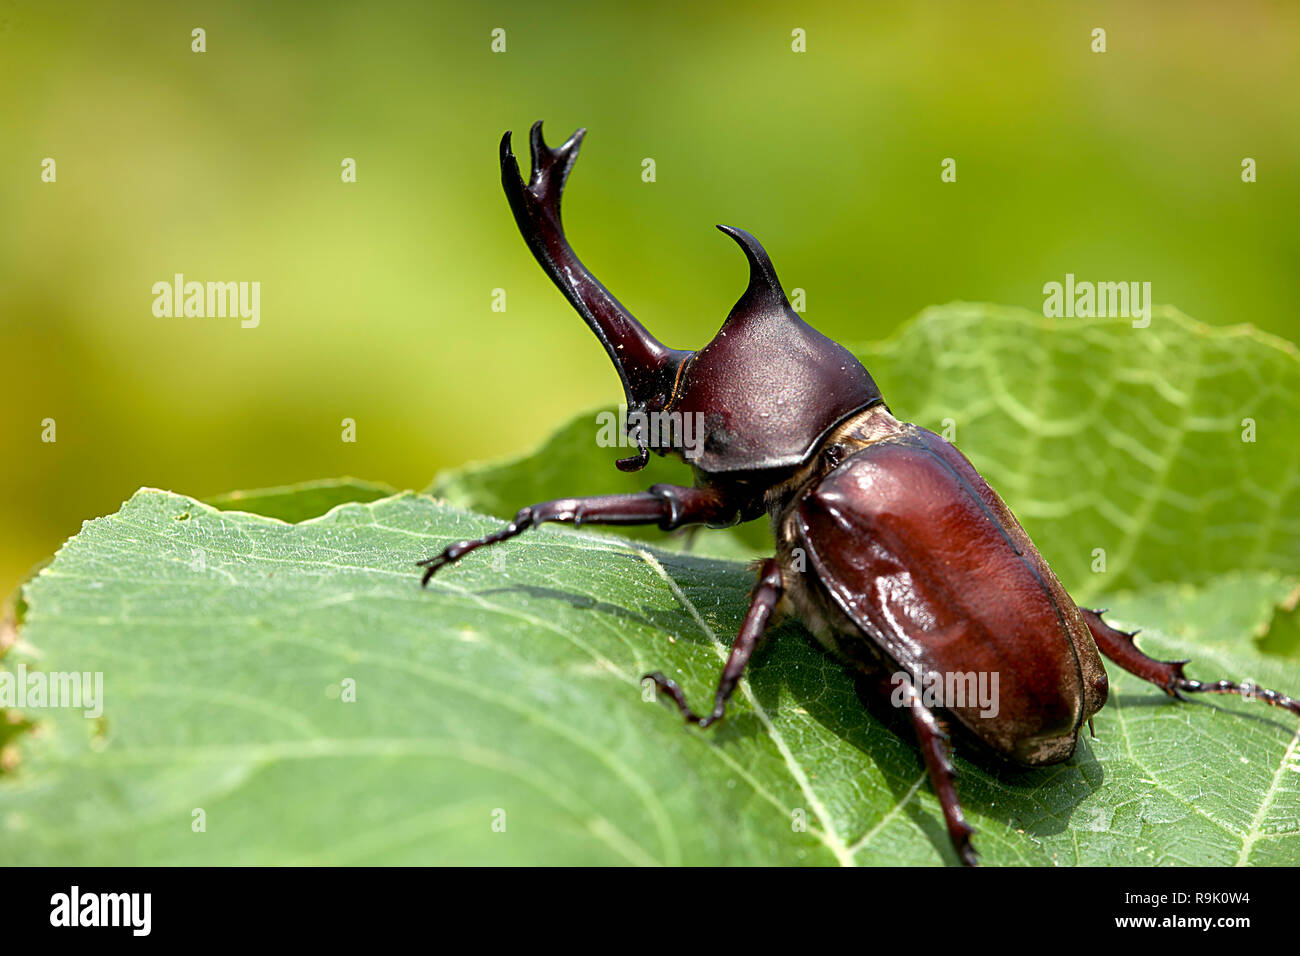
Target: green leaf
(512, 684)
(1104, 436)
(1100, 436)
(308, 499)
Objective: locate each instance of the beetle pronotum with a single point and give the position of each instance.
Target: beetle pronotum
(890, 545)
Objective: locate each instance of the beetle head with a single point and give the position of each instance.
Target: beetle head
(761, 396)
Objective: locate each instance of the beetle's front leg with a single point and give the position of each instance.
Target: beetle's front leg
(668, 506)
(1168, 675)
(764, 600)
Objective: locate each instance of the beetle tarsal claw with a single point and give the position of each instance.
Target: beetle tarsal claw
(432, 566)
(674, 692)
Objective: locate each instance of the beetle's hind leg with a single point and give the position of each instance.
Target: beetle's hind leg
(763, 603)
(1120, 647)
(936, 748)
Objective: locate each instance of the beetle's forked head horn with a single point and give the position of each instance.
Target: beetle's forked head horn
(646, 367)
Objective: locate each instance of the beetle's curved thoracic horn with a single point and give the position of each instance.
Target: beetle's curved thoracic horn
(646, 366)
(764, 290)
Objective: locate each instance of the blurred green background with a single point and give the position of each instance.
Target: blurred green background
(376, 296)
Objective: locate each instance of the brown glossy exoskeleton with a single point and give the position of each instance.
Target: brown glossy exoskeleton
(890, 546)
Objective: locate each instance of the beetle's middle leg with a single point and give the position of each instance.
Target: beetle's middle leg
(1168, 675)
(668, 506)
(763, 603)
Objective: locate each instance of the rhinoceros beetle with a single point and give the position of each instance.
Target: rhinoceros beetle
(890, 546)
